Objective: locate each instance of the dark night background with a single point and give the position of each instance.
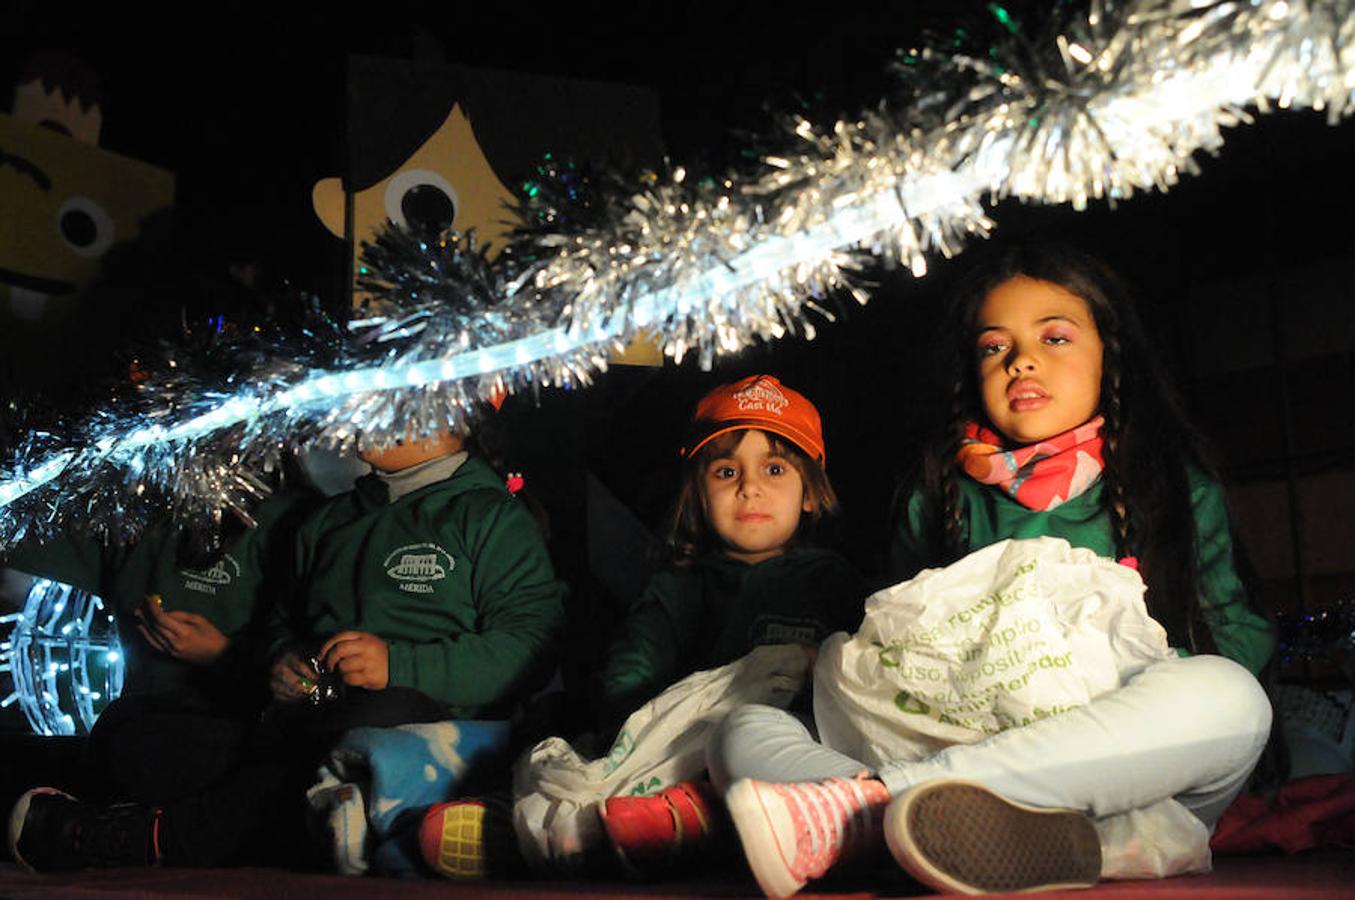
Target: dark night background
(1246, 269)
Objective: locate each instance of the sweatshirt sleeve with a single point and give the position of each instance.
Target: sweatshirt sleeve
(1239, 632)
(271, 551)
(644, 658)
(909, 550)
(75, 559)
(519, 615)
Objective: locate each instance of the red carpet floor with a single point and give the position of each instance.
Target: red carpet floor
(1325, 874)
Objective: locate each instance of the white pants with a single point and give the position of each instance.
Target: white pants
(1190, 729)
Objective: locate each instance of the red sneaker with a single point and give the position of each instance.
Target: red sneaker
(650, 833)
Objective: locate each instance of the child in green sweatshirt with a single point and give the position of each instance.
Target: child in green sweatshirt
(424, 594)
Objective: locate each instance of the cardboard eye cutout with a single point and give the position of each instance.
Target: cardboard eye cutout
(421, 200)
(446, 182)
(86, 228)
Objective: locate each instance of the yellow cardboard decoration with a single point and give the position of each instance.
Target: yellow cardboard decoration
(66, 204)
(452, 159)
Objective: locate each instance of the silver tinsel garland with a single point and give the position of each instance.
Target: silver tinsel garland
(1096, 108)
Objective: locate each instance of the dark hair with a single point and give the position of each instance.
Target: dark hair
(1149, 445)
(57, 69)
(689, 534)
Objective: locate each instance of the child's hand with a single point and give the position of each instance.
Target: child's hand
(362, 658)
(292, 678)
(182, 635)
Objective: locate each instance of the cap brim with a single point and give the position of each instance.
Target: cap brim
(794, 435)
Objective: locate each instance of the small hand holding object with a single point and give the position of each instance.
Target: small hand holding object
(182, 635)
(292, 678)
(361, 658)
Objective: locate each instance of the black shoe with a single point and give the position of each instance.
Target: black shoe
(51, 831)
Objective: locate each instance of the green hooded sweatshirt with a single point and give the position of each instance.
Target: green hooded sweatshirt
(453, 576)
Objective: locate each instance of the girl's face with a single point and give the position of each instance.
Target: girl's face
(1039, 359)
(753, 497)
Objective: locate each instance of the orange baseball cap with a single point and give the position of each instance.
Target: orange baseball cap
(763, 402)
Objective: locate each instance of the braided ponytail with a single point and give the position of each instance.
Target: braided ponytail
(952, 515)
(941, 474)
(1113, 475)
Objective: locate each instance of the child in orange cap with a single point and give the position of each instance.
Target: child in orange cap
(745, 573)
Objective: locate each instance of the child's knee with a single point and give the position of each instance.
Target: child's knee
(1228, 694)
(743, 735)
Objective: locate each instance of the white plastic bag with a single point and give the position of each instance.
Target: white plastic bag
(1158, 841)
(556, 791)
(1012, 633)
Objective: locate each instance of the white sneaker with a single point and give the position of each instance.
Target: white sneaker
(958, 837)
(794, 832)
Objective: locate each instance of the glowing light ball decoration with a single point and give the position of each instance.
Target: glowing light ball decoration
(63, 657)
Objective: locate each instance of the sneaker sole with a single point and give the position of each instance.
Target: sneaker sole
(460, 845)
(959, 837)
(470, 840)
(17, 814)
(754, 824)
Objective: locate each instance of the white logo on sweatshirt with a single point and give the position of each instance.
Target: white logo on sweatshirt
(206, 581)
(413, 566)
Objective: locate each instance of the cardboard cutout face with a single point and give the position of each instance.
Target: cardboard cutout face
(66, 204)
(446, 182)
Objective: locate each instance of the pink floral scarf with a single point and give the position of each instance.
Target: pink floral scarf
(1039, 476)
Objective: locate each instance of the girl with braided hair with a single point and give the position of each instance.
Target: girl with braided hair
(1072, 430)
(1062, 425)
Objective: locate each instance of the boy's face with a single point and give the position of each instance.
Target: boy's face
(412, 451)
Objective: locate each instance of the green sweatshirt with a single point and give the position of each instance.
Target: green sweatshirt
(453, 576)
(227, 593)
(990, 515)
(717, 610)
